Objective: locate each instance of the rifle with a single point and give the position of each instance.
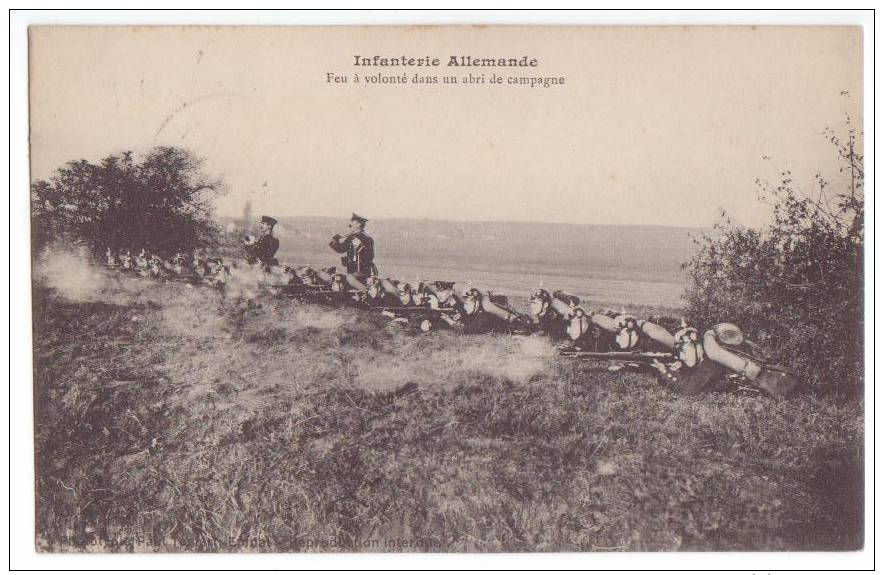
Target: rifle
(414, 310)
(426, 316)
(307, 291)
(637, 357)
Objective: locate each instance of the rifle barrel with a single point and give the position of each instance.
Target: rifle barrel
(415, 310)
(618, 355)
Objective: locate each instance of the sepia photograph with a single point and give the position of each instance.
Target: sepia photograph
(447, 289)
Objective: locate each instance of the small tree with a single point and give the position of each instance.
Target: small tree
(162, 204)
(796, 284)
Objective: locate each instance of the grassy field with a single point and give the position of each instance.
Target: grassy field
(170, 418)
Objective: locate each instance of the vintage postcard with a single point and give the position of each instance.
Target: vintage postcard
(321, 289)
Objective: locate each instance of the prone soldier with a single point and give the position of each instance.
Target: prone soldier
(142, 263)
(551, 313)
(217, 273)
(156, 267)
(126, 260)
(198, 265)
(177, 264)
(381, 292)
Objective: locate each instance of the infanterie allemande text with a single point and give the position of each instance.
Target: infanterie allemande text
(465, 61)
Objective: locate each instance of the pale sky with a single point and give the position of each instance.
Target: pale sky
(652, 126)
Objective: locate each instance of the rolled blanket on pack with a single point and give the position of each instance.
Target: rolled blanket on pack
(712, 347)
(605, 322)
(325, 277)
(563, 306)
(355, 283)
(658, 334)
(495, 309)
(389, 287)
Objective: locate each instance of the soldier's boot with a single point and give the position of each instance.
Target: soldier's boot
(777, 381)
(690, 381)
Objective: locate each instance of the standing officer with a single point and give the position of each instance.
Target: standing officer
(264, 248)
(357, 247)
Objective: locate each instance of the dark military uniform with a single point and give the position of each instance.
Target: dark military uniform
(358, 250)
(263, 250)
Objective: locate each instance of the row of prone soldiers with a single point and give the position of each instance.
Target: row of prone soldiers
(318, 284)
(146, 264)
(683, 356)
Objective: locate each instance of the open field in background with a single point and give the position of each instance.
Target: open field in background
(606, 265)
(168, 418)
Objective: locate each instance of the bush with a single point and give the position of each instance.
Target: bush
(162, 204)
(795, 285)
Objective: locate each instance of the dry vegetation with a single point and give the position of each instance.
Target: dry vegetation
(169, 418)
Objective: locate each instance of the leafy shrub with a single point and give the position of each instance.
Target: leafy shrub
(796, 285)
(162, 203)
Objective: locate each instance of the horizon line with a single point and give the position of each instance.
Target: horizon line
(478, 221)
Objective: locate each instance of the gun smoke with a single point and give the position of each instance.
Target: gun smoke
(229, 324)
